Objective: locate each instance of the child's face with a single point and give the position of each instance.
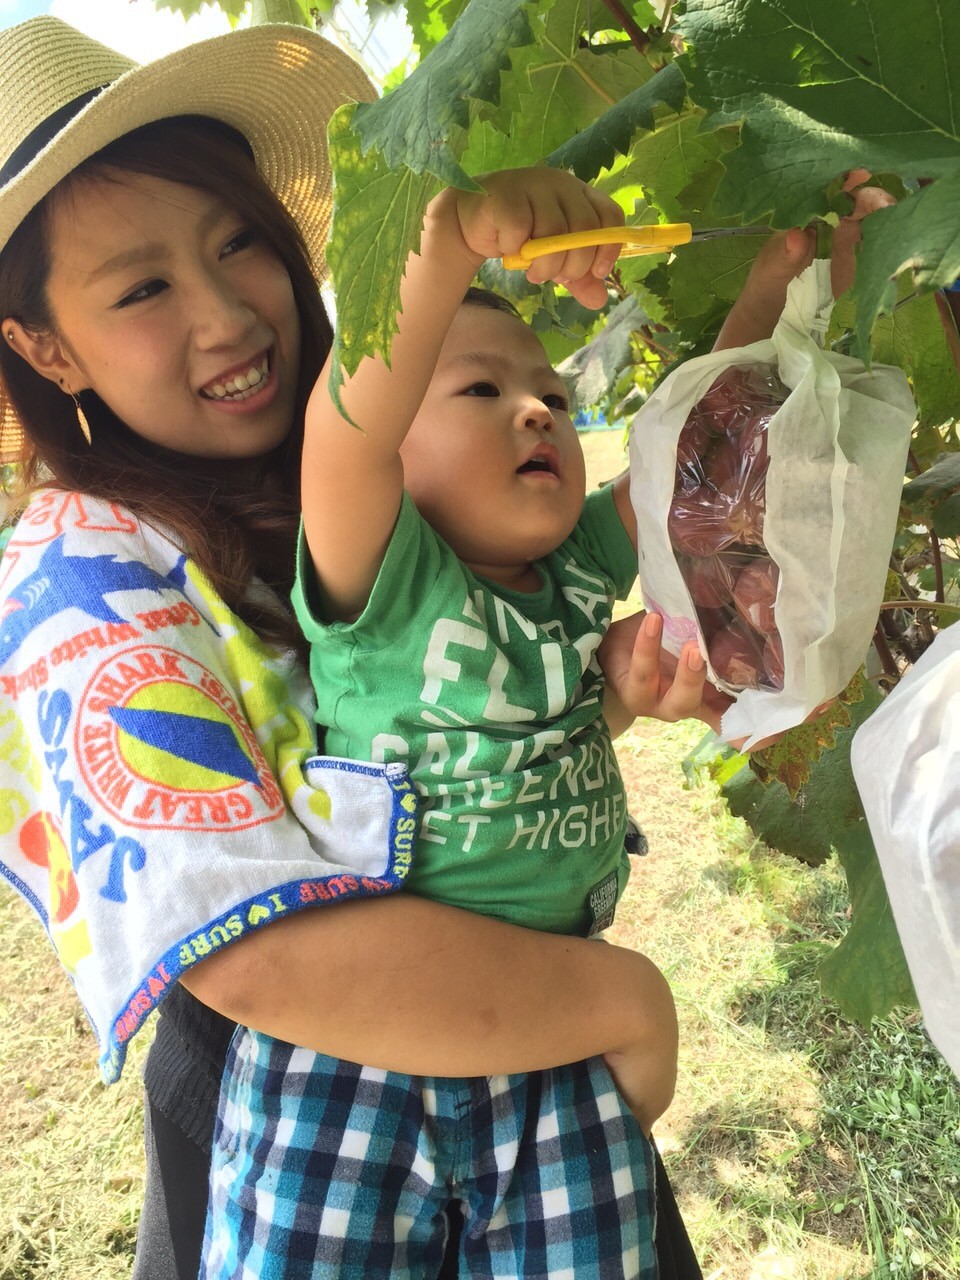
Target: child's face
(492, 460)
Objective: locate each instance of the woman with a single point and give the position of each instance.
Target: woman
(161, 330)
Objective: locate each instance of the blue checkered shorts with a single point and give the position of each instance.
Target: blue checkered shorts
(333, 1171)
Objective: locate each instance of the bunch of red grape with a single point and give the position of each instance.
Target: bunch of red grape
(716, 525)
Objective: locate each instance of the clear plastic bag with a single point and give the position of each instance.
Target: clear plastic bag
(771, 474)
(715, 524)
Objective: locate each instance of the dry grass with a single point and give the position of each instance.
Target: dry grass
(71, 1177)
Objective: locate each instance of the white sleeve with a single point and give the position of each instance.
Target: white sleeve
(906, 761)
(156, 800)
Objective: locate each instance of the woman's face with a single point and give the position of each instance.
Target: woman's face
(177, 314)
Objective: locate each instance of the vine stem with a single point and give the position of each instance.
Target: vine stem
(883, 652)
(934, 605)
(937, 566)
(638, 38)
(652, 343)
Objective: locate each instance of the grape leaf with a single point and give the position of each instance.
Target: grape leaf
(594, 148)
(514, 286)
(912, 337)
(188, 8)
(701, 275)
(714, 759)
(934, 496)
(917, 344)
(808, 821)
(558, 86)
(295, 11)
(378, 216)
(789, 759)
(675, 157)
(431, 20)
(821, 89)
(413, 127)
(921, 233)
(644, 14)
(191, 8)
(593, 369)
(866, 973)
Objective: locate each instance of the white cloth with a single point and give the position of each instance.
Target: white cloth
(160, 794)
(906, 761)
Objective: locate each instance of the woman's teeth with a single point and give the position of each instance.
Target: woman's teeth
(242, 385)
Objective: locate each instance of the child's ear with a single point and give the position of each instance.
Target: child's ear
(45, 353)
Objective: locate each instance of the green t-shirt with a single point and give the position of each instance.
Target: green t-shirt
(493, 698)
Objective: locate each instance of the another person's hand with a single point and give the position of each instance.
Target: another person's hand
(644, 680)
(785, 255)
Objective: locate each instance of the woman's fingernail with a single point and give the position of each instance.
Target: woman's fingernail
(695, 660)
(651, 625)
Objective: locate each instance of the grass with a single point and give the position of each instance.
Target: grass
(802, 1146)
(71, 1174)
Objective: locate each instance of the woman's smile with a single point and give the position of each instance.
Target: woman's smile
(178, 315)
(248, 385)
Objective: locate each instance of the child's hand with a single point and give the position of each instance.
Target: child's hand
(647, 681)
(785, 255)
(521, 204)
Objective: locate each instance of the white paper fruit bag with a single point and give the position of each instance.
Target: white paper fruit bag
(906, 761)
(766, 484)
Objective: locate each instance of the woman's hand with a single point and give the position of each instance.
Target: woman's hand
(643, 680)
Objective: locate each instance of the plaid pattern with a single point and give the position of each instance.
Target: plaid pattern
(326, 1170)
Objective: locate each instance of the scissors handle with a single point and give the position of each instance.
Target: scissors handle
(636, 240)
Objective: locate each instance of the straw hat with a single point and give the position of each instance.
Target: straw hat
(64, 96)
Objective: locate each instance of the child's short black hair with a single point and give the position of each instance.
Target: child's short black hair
(475, 297)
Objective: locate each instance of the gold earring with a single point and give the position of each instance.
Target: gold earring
(82, 419)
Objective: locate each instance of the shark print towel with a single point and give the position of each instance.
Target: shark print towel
(160, 791)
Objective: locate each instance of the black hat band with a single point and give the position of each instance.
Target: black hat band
(44, 133)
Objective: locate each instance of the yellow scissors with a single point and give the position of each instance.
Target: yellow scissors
(657, 238)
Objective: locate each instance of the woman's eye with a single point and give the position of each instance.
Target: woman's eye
(242, 240)
(482, 389)
(556, 401)
(145, 291)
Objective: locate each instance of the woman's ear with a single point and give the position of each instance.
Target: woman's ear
(45, 353)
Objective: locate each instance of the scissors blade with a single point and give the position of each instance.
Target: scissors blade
(651, 238)
(720, 233)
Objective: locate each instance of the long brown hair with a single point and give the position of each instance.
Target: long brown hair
(236, 528)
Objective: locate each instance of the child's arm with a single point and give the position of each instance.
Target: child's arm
(785, 255)
(642, 679)
(353, 479)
